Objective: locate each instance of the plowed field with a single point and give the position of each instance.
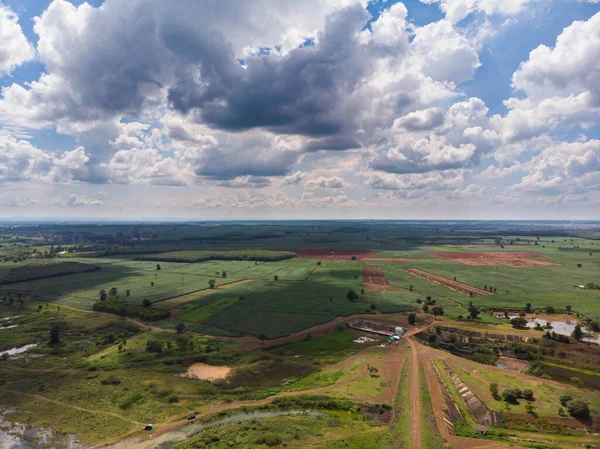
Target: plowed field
(508, 259)
(374, 278)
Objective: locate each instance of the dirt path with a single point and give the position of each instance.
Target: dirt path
(317, 266)
(415, 399)
(459, 287)
(75, 407)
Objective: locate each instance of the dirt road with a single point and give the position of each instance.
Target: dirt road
(415, 398)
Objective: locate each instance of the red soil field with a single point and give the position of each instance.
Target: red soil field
(374, 278)
(334, 254)
(448, 283)
(508, 259)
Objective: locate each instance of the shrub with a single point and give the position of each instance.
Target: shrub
(494, 390)
(412, 318)
(437, 310)
(154, 346)
(121, 308)
(564, 400)
(550, 309)
(519, 323)
(578, 409)
(351, 295)
(527, 394)
(576, 381)
(511, 395)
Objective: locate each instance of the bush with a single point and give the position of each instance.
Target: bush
(576, 381)
(494, 390)
(578, 409)
(437, 310)
(121, 308)
(154, 346)
(519, 323)
(511, 395)
(351, 295)
(564, 400)
(412, 318)
(527, 394)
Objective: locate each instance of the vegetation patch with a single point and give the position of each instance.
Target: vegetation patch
(35, 271)
(203, 256)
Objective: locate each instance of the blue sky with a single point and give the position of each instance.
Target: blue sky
(414, 109)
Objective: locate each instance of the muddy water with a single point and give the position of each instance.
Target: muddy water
(208, 372)
(17, 436)
(564, 328)
(176, 436)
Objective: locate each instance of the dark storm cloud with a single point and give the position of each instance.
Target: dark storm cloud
(300, 93)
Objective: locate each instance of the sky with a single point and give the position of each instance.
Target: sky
(300, 109)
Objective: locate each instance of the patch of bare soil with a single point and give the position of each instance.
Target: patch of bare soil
(509, 259)
(207, 372)
(448, 283)
(374, 279)
(514, 365)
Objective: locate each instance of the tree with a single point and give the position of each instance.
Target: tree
(55, 334)
(180, 328)
(437, 311)
(410, 288)
(473, 311)
(262, 337)
(577, 333)
(146, 303)
(102, 295)
(568, 308)
(351, 295)
(275, 278)
(528, 307)
(527, 394)
(578, 409)
(511, 395)
(519, 322)
(127, 293)
(494, 390)
(425, 308)
(211, 283)
(224, 274)
(157, 267)
(550, 310)
(412, 318)
(113, 292)
(151, 284)
(154, 346)
(353, 257)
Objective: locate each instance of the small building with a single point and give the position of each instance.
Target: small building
(479, 430)
(581, 286)
(400, 331)
(393, 338)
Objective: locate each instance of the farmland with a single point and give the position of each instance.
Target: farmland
(99, 336)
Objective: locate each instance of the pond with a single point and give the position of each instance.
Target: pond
(564, 328)
(180, 434)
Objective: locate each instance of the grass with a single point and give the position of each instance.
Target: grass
(546, 395)
(204, 312)
(400, 430)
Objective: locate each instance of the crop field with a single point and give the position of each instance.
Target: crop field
(265, 309)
